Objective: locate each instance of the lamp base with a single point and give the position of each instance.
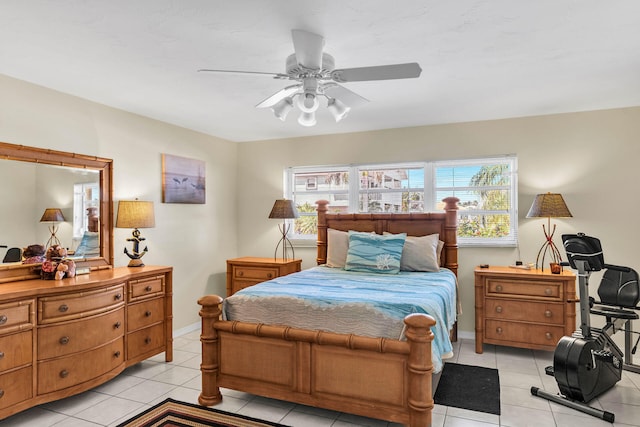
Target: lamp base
(136, 263)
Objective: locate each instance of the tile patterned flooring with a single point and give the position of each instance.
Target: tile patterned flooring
(151, 381)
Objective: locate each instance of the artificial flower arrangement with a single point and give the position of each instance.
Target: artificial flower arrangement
(56, 266)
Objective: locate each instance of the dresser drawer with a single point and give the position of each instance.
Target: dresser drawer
(525, 333)
(74, 306)
(146, 288)
(145, 340)
(16, 316)
(16, 350)
(61, 373)
(79, 335)
(15, 387)
(259, 274)
(524, 288)
(146, 313)
(537, 312)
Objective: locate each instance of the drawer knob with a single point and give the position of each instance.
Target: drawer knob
(240, 273)
(548, 313)
(148, 288)
(64, 373)
(63, 308)
(1, 392)
(499, 309)
(270, 275)
(64, 340)
(118, 297)
(499, 330)
(147, 340)
(147, 313)
(3, 319)
(1, 354)
(548, 291)
(499, 288)
(116, 354)
(117, 325)
(548, 335)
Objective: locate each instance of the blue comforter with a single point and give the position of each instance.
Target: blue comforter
(393, 295)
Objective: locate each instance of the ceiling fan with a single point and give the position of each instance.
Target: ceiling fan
(315, 77)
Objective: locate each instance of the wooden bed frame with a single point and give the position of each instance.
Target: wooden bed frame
(374, 377)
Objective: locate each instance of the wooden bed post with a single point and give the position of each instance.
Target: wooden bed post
(419, 337)
(322, 231)
(451, 231)
(210, 314)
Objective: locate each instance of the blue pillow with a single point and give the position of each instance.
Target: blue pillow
(374, 253)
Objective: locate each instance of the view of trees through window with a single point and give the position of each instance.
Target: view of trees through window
(486, 189)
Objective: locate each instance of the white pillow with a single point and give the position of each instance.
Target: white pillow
(337, 248)
(420, 254)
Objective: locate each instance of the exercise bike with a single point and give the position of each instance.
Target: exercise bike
(588, 363)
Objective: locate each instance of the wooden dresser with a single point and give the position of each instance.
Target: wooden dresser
(62, 337)
(249, 271)
(523, 308)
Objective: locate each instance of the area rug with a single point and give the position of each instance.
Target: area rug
(469, 387)
(172, 413)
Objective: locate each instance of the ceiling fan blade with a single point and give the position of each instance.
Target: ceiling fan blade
(275, 75)
(344, 95)
(278, 96)
(308, 47)
(381, 72)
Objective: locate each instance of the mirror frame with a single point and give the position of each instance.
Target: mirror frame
(61, 158)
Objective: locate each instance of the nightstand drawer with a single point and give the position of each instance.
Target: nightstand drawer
(255, 273)
(524, 288)
(538, 312)
(525, 333)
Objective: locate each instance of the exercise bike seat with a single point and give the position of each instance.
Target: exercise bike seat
(619, 290)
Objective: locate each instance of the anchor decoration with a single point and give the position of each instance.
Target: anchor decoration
(135, 214)
(136, 255)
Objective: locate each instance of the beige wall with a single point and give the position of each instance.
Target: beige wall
(590, 158)
(194, 239)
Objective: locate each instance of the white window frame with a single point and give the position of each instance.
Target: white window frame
(430, 191)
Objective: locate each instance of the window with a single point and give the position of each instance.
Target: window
(85, 196)
(486, 187)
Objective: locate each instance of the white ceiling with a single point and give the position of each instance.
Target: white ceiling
(481, 59)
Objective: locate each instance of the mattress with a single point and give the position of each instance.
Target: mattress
(366, 304)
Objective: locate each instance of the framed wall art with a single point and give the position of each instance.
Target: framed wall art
(183, 180)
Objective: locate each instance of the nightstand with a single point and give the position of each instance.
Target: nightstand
(524, 308)
(249, 271)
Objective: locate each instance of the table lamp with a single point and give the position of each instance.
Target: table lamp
(284, 209)
(52, 215)
(549, 205)
(135, 214)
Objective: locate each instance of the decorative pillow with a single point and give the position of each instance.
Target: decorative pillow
(420, 254)
(374, 253)
(439, 252)
(337, 246)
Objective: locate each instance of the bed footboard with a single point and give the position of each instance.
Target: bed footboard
(375, 377)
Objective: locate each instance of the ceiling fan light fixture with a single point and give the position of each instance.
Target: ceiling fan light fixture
(337, 109)
(282, 108)
(308, 103)
(307, 118)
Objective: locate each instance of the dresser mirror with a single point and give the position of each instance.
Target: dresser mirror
(36, 179)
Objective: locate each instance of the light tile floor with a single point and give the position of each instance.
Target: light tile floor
(151, 381)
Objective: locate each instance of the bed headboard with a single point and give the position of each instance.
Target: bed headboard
(414, 224)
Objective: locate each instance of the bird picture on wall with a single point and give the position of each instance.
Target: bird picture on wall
(183, 180)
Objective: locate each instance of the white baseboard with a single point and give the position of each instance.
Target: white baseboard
(187, 329)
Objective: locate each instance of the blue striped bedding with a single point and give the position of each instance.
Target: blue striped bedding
(339, 299)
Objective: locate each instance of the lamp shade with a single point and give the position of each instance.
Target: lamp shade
(549, 205)
(135, 214)
(283, 209)
(52, 215)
